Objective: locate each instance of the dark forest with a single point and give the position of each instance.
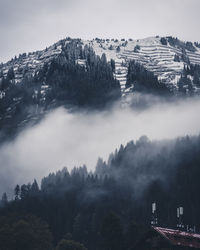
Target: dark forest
(109, 208)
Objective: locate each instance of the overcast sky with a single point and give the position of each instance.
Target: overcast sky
(28, 25)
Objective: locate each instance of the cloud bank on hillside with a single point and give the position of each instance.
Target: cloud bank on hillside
(73, 139)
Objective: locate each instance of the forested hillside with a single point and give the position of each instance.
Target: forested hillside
(141, 80)
(93, 74)
(62, 81)
(111, 207)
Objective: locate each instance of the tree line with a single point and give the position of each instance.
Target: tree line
(110, 208)
(144, 81)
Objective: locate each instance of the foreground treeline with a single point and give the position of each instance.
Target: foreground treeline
(111, 207)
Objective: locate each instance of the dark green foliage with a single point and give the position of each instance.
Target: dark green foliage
(4, 200)
(196, 79)
(14, 107)
(5, 84)
(175, 42)
(185, 86)
(112, 232)
(133, 234)
(10, 74)
(118, 49)
(197, 44)
(112, 62)
(184, 57)
(25, 191)
(137, 48)
(92, 85)
(70, 245)
(61, 82)
(191, 70)
(163, 40)
(110, 47)
(34, 188)
(17, 192)
(24, 232)
(124, 44)
(114, 202)
(176, 58)
(189, 46)
(143, 80)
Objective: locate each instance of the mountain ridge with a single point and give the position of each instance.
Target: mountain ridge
(164, 56)
(92, 73)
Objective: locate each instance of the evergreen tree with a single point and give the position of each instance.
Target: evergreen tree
(143, 80)
(27, 232)
(4, 199)
(163, 41)
(10, 74)
(34, 188)
(185, 86)
(112, 62)
(112, 233)
(118, 49)
(17, 192)
(137, 48)
(196, 79)
(110, 47)
(24, 191)
(176, 58)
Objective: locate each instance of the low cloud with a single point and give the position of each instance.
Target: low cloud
(73, 139)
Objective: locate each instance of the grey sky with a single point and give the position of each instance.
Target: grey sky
(28, 25)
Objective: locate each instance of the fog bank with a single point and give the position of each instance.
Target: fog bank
(73, 139)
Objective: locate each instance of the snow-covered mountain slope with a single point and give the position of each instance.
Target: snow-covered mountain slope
(164, 60)
(31, 62)
(26, 95)
(151, 53)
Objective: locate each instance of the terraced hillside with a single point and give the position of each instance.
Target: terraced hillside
(166, 61)
(70, 72)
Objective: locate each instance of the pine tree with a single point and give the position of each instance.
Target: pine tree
(196, 79)
(10, 74)
(25, 189)
(137, 48)
(118, 49)
(4, 199)
(110, 47)
(163, 41)
(176, 58)
(17, 192)
(34, 188)
(112, 62)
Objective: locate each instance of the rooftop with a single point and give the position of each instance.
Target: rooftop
(179, 238)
